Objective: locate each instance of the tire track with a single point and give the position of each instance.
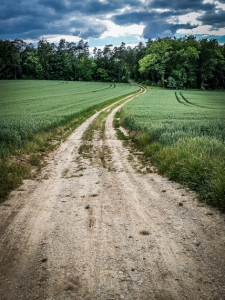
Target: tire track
(78, 233)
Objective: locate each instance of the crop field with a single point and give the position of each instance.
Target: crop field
(184, 134)
(36, 115)
(168, 117)
(30, 107)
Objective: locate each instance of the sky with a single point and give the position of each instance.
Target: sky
(104, 22)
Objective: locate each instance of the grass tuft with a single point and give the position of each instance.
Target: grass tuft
(144, 232)
(11, 176)
(35, 160)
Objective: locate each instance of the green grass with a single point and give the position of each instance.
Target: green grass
(183, 133)
(31, 107)
(36, 115)
(97, 125)
(11, 175)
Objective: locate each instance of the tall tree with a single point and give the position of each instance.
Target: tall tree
(156, 59)
(31, 65)
(177, 63)
(10, 61)
(208, 59)
(45, 53)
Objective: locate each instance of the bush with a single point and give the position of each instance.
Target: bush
(142, 139)
(152, 148)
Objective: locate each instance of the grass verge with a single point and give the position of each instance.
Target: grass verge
(97, 125)
(194, 162)
(28, 159)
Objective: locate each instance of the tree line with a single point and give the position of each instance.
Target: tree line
(168, 62)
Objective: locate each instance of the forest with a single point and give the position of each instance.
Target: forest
(174, 63)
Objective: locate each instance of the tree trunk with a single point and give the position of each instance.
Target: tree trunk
(162, 78)
(202, 84)
(75, 74)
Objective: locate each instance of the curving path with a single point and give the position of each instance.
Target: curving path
(93, 227)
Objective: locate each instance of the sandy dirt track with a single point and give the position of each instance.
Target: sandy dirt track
(77, 233)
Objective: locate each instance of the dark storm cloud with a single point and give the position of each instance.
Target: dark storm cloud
(215, 19)
(33, 19)
(85, 18)
(22, 27)
(93, 33)
(140, 17)
(11, 10)
(56, 5)
(156, 24)
(87, 7)
(159, 28)
(183, 6)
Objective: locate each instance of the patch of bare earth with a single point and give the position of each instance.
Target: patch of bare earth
(93, 227)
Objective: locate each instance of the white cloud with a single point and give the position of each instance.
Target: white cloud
(190, 18)
(117, 31)
(56, 38)
(220, 5)
(202, 30)
(208, 1)
(161, 10)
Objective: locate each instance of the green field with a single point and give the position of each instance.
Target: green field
(30, 107)
(36, 115)
(183, 132)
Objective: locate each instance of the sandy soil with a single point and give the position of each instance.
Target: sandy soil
(93, 227)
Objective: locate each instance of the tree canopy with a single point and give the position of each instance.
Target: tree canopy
(167, 62)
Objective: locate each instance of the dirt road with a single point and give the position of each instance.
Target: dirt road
(94, 227)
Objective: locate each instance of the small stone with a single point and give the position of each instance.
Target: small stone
(180, 204)
(140, 282)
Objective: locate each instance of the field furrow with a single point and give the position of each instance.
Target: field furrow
(94, 227)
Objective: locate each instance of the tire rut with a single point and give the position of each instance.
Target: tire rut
(95, 228)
